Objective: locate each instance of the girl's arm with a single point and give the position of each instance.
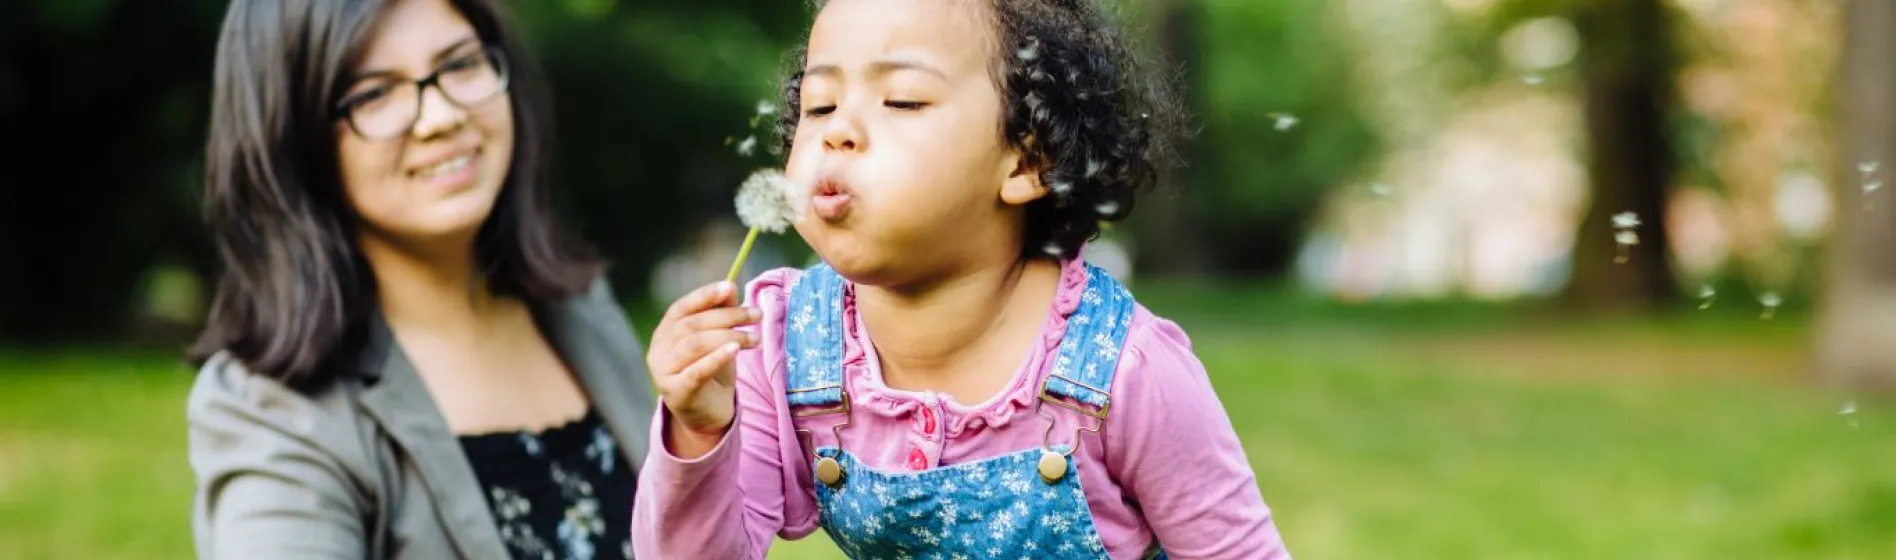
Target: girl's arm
(1171, 445)
(751, 487)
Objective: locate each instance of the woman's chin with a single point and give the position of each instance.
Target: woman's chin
(433, 230)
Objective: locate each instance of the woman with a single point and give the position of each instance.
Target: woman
(403, 359)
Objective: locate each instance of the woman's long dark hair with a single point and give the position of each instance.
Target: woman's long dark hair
(295, 295)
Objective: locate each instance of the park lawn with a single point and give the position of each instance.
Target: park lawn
(1377, 433)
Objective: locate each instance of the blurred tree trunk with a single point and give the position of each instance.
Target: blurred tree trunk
(1627, 70)
(1856, 327)
(1170, 242)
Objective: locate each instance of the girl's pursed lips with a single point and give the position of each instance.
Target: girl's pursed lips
(831, 199)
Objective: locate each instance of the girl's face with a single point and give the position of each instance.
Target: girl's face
(901, 139)
(423, 166)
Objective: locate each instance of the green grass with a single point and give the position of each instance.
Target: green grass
(1455, 431)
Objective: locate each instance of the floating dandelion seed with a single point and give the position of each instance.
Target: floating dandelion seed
(1870, 183)
(767, 201)
(1706, 294)
(1771, 301)
(1053, 248)
(748, 146)
(1029, 52)
(1849, 408)
(765, 108)
(1282, 121)
(1533, 79)
(1379, 189)
(1060, 187)
(1625, 238)
(1107, 208)
(1092, 168)
(1625, 220)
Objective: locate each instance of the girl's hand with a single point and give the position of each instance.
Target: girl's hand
(692, 360)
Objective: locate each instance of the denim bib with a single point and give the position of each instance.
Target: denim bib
(1024, 504)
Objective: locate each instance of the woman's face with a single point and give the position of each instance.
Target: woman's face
(434, 180)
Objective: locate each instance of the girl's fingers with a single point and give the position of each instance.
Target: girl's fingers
(718, 318)
(709, 296)
(703, 343)
(694, 376)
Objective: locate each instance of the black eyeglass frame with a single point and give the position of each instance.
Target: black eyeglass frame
(345, 110)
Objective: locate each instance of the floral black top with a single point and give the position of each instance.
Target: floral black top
(561, 494)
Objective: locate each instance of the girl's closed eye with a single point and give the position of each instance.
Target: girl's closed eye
(904, 105)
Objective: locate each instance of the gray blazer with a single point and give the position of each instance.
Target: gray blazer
(367, 467)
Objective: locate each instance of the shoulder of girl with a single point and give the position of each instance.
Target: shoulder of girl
(775, 282)
(1157, 347)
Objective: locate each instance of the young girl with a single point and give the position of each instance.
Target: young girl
(954, 381)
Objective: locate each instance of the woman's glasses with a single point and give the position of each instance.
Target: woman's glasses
(389, 107)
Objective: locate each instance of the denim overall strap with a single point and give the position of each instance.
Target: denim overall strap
(813, 339)
(1088, 355)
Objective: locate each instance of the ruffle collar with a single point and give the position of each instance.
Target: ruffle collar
(865, 376)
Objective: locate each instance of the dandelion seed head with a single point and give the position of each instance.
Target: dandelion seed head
(769, 201)
(1625, 220)
(1626, 237)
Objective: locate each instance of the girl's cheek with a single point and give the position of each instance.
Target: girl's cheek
(806, 157)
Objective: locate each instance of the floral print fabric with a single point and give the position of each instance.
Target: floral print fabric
(561, 494)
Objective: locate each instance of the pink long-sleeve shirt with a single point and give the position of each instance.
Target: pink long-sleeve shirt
(1167, 465)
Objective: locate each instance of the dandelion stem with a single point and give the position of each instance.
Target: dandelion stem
(742, 254)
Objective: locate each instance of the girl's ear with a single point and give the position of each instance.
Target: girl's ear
(1020, 183)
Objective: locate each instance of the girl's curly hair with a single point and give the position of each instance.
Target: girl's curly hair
(1079, 103)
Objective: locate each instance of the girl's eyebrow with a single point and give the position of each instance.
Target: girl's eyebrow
(439, 56)
(878, 68)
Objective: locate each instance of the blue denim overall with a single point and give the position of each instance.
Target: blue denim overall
(1006, 506)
